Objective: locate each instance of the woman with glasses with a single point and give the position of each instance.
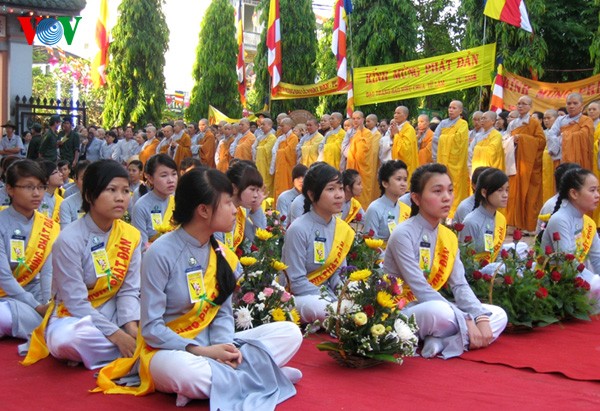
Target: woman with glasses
(50, 206)
(25, 245)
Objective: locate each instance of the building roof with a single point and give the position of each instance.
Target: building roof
(50, 6)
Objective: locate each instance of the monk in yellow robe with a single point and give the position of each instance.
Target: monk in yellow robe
(450, 146)
(593, 112)
(223, 153)
(243, 149)
(284, 158)
(486, 148)
(404, 146)
(525, 187)
(359, 157)
(424, 139)
(548, 182)
(264, 155)
(371, 123)
(207, 144)
(330, 149)
(149, 148)
(308, 148)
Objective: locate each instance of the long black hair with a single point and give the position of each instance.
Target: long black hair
(97, 177)
(491, 180)
(419, 179)
(205, 186)
(315, 180)
(572, 179)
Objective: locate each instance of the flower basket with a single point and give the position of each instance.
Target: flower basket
(353, 361)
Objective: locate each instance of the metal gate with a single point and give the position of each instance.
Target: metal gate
(36, 110)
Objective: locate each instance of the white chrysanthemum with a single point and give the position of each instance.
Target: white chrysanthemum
(243, 318)
(261, 296)
(255, 274)
(403, 330)
(348, 307)
(353, 286)
(260, 306)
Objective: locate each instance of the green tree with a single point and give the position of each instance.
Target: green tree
(215, 68)
(136, 83)
(326, 69)
(384, 34)
(299, 54)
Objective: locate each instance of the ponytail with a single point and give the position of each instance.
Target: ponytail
(225, 278)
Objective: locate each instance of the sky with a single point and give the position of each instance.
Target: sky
(183, 18)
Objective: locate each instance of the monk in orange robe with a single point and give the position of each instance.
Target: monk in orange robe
(223, 149)
(525, 187)
(165, 143)
(150, 147)
(181, 143)
(424, 139)
(285, 158)
(243, 149)
(207, 143)
(360, 157)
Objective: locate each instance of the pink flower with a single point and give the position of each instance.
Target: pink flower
(248, 298)
(401, 303)
(285, 297)
(268, 291)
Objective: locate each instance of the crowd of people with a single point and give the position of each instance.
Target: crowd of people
(80, 283)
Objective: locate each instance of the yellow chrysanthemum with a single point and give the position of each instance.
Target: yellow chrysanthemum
(295, 316)
(360, 319)
(278, 314)
(384, 316)
(247, 261)
(374, 243)
(377, 330)
(278, 265)
(360, 275)
(263, 234)
(385, 299)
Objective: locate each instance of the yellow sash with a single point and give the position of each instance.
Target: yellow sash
(121, 244)
(446, 248)
(43, 234)
(233, 240)
(187, 326)
(342, 241)
(166, 221)
(584, 243)
(56, 212)
(354, 209)
(404, 213)
(499, 236)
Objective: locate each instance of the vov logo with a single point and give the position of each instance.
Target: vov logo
(49, 30)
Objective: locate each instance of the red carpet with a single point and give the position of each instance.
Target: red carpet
(418, 384)
(572, 349)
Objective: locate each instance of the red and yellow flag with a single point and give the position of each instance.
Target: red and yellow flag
(338, 42)
(512, 12)
(274, 45)
(99, 64)
(497, 102)
(241, 67)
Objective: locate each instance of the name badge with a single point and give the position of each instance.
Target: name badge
(319, 250)
(45, 210)
(488, 239)
(156, 217)
(195, 281)
(80, 214)
(17, 248)
(424, 256)
(100, 259)
(228, 237)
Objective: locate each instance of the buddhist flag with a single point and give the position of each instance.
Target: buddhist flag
(512, 12)
(497, 102)
(241, 67)
(98, 69)
(274, 45)
(350, 102)
(338, 41)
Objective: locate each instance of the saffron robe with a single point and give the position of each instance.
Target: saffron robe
(243, 150)
(425, 148)
(224, 156)
(488, 152)
(310, 150)
(285, 161)
(208, 147)
(149, 150)
(264, 154)
(405, 147)
(578, 143)
(360, 159)
(183, 149)
(331, 152)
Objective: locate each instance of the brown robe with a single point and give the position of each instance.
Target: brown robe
(425, 154)
(578, 143)
(208, 147)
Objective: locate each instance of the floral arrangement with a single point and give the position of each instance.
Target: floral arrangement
(365, 251)
(367, 321)
(259, 298)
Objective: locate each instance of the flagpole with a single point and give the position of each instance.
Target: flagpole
(483, 44)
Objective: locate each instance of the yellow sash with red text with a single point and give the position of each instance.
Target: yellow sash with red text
(499, 236)
(354, 209)
(404, 213)
(342, 241)
(43, 234)
(235, 238)
(166, 225)
(187, 326)
(584, 242)
(120, 246)
(446, 248)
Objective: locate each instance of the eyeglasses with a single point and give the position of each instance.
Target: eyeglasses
(523, 104)
(31, 189)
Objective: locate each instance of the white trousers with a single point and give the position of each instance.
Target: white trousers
(78, 339)
(311, 307)
(437, 319)
(183, 373)
(5, 319)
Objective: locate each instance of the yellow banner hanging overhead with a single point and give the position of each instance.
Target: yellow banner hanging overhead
(291, 91)
(547, 96)
(433, 75)
(215, 117)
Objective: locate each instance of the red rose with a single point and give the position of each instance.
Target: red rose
(472, 252)
(269, 228)
(369, 310)
(239, 252)
(529, 264)
(477, 275)
(569, 257)
(282, 218)
(253, 248)
(579, 282)
(487, 277)
(371, 233)
(459, 227)
(517, 235)
(483, 262)
(586, 286)
(468, 239)
(555, 275)
(353, 255)
(556, 236)
(549, 249)
(539, 274)
(508, 280)
(530, 253)
(581, 267)
(358, 217)
(541, 293)
(504, 254)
